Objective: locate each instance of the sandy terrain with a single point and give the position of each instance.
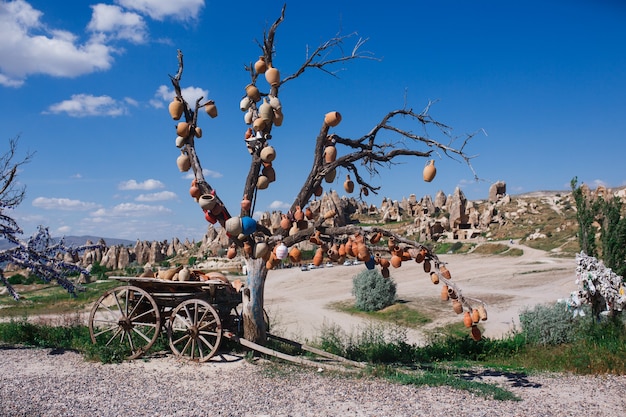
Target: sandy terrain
(298, 301)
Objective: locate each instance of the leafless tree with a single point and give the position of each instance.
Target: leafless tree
(263, 248)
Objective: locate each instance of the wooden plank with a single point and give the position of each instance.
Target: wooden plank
(317, 351)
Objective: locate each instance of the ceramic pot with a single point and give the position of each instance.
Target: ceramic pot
(298, 215)
(376, 238)
(247, 118)
(207, 201)
(332, 118)
(445, 272)
(194, 190)
(262, 182)
(315, 238)
(272, 76)
(180, 141)
(482, 312)
(330, 154)
(246, 204)
(258, 124)
(176, 108)
(330, 176)
(294, 229)
(365, 191)
(183, 129)
(452, 293)
(260, 250)
(268, 154)
(427, 266)
(266, 112)
(248, 225)
(232, 251)
(281, 251)
(210, 217)
(233, 226)
(348, 184)
(384, 262)
(434, 278)
(318, 258)
(475, 316)
(184, 274)
(396, 261)
(183, 162)
(260, 66)
(444, 293)
(275, 103)
(429, 171)
(253, 92)
(197, 131)
(211, 109)
(457, 306)
(384, 271)
(278, 118)
(467, 319)
(245, 103)
(269, 172)
(308, 213)
(295, 255)
(317, 191)
(285, 223)
(476, 335)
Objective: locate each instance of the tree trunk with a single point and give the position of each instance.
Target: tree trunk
(254, 327)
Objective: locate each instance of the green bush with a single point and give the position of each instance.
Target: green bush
(373, 291)
(549, 324)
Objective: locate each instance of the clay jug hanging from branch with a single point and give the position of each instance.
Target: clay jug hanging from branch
(332, 118)
(260, 66)
(348, 185)
(330, 154)
(211, 109)
(176, 108)
(272, 76)
(183, 162)
(429, 171)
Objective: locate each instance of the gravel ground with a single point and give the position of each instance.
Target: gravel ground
(36, 382)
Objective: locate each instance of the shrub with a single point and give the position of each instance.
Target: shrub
(549, 324)
(373, 291)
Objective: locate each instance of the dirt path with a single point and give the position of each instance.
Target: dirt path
(298, 301)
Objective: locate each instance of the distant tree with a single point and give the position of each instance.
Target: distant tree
(608, 214)
(586, 215)
(40, 254)
(381, 145)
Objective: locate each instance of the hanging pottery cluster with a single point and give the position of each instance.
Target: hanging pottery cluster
(262, 112)
(185, 132)
(357, 246)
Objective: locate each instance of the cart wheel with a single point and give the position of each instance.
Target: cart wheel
(195, 330)
(126, 316)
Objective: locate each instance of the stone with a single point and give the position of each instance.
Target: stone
(497, 191)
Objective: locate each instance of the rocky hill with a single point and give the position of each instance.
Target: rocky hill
(544, 220)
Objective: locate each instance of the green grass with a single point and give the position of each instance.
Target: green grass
(399, 314)
(51, 299)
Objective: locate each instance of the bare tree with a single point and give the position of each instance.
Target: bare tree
(263, 249)
(39, 254)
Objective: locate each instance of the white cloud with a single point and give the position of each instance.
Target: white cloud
(207, 173)
(82, 105)
(161, 196)
(146, 185)
(278, 205)
(29, 47)
(63, 204)
(63, 230)
(131, 210)
(190, 94)
(160, 9)
(117, 24)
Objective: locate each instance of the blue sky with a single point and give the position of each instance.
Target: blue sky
(85, 85)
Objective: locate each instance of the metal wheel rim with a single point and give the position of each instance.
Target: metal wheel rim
(195, 330)
(127, 316)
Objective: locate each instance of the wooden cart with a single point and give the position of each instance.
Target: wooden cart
(195, 315)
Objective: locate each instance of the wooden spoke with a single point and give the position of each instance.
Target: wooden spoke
(126, 316)
(195, 330)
